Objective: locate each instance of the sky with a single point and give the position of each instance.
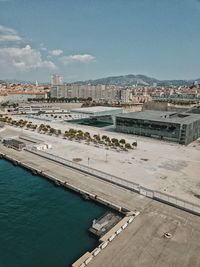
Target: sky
(89, 39)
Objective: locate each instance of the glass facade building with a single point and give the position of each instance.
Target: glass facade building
(179, 127)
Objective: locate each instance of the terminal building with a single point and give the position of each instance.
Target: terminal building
(181, 127)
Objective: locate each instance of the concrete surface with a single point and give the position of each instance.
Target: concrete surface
(167, 167)
(142, 243)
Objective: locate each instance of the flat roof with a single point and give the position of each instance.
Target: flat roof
(14, 141)
(95, 109)
(162, 116)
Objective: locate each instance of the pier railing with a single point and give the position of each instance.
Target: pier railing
(86, 169)
(157, 195)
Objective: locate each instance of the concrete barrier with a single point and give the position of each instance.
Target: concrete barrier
(104, 244)
(82, 260)
(96, 251)
(130, 220)
(119, 231)
(124, 226)
(88, 260)
(120, 224)
(112, 237)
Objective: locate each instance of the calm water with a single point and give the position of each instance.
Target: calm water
(41, 225)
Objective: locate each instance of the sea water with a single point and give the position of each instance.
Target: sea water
(42, 225)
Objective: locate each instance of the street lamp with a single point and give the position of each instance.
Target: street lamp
(106, 156)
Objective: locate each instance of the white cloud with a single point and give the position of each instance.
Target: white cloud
(55, 52)
(8, 35)
(23, 59)
(42, 47)
(83, 58)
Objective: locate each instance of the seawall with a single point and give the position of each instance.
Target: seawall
(128, 216)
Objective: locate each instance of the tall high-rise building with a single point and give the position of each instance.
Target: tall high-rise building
(56, 80)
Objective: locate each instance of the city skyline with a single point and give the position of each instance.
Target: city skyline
(97, 39)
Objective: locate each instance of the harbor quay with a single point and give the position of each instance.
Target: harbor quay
(162, 166)
(99, 133)
(159, 236)
(106, 228)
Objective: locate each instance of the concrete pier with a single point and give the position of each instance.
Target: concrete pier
(142, 242)
(110, 234)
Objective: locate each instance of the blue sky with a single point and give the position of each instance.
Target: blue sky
(87, 39)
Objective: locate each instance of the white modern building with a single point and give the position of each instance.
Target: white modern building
(126, 95)
(22, 96)
(56, 80)
(96, 92)
(31, 109)
(98, 111)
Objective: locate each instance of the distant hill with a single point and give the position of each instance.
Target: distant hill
(122, 80)
(16, 81)
(129, 79)
(132, 79)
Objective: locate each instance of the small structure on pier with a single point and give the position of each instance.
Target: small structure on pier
(14, 143)
(105, 223)
(41, 146)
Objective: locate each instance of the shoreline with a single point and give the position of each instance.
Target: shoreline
(148, 229)
(128, 215)
(170, 169)
(137, 188)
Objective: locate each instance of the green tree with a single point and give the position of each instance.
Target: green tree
(122, 141)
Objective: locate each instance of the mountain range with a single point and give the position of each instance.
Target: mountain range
(132, 79)
(124, 80)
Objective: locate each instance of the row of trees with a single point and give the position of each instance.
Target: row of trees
(73, 134)
(60, 100)
(48, 129)
(29, 125)
(97, 139)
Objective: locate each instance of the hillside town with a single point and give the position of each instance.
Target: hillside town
(110, 94)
